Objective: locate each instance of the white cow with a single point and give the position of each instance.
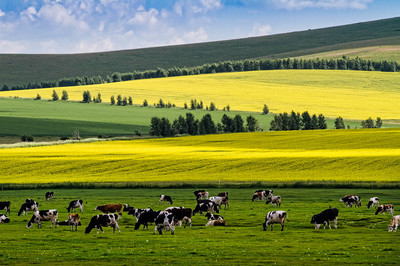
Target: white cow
(39, 216)
(275, 217)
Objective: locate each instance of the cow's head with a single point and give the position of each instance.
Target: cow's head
(313, 219)
(390, 228)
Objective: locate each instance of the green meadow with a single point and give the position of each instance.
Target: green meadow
(361, 236)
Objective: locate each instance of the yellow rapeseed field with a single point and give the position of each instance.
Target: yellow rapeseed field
(328, 155)
(350, 94)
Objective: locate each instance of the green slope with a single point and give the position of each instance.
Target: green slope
(21, 69)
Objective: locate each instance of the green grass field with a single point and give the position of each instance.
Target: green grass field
(371, 155)
(22, 69)
(361, 236)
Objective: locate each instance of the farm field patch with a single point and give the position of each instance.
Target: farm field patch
(327, 155)
(361, 236)
(349, 94)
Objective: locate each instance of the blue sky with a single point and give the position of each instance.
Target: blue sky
(79, 26)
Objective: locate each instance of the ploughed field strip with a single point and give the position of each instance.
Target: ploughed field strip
(371, 155)
(238, 227)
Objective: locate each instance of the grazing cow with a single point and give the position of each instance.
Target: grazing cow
(98, 221)
(223, 194)
(274, 200)
(217, 200)
(73, 220)
(145, 218)
(5, 205)
(275, 217)
(128, 208)
(29, 205)
(75, 204)
(205, 206)
(325, 217)
(385, 208)
(49, 195)
(164, 220)
(394, 223)
(373, 202)
(181, 214)
(225, 201)
(200, 194)
(262, 194)
(137, 212)
(39, 216)
(110, 208)
(211, 216)
(165, 198)
(4, 219)
(350, 200)
(216, 223)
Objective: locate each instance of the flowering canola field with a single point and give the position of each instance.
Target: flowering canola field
(328, 155)
(349, 94)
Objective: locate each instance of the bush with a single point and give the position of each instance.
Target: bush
(25, 138)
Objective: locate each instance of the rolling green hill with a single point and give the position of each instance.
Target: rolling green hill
(22, 68)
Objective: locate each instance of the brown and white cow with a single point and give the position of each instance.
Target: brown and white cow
(275, 217)
(262, 194)
(110, 208)
(385, 208)
(394, 223)
(44, 215)
(200, 194)
(274, 200)
(73, 220)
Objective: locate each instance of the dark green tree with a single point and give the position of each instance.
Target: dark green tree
(265, 110)
(238, 124)
(252, 124)
(130, 101)
(306, 121)
(227, 124)
(119, 100)
(378, 123)
(155, 127)
(369, 123)
(276, 123)
(38, 97)
(339, 123)
(192, 124)
(207, 125)
(112, 100)
(294, 121)
(322, 122)
(55, 96)
(64, 96)
(98, 98)
(314, 122)
(212, 106)
(124, 101)
(145, 103)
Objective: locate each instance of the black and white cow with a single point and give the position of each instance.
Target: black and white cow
(49, 195)
(44, 215)
(223, 194)
(164, 220)
(325, 217)
(275, 217)
(350, 200)
(137, 212)
(216, 223)
(73, 205)
(4, 219)
(262, 194)
(217, 200)
(385, 208)
(100, 220)
(211, 216)
(205, 206)
(128, 209)
(5, 205)
(146, 218)
(274, 200)
(200, 194)
(373, 202)
(166, 198)
(29, 205)
(181, 214)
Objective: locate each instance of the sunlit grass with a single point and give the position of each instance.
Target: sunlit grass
(329, 155)
(349, 94)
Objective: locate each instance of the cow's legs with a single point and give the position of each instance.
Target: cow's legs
(335, 222)
(282, 224)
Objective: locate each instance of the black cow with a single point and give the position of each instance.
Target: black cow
(29, 205)
(205, 206)
(164, 220)
(75, 204)
(211, 216)
(5, 205)
(181, 214)
(137, 212)
(325, 217)
(44, 215)
(4, 219)
(145, 218)
(223, 194)
(100, 220)
(165, 198)
(49, 195)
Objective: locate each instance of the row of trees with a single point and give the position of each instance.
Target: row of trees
(295, 121)
(369, 123)
(221, 67)
(192, 126)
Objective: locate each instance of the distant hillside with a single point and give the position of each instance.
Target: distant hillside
(21, 69)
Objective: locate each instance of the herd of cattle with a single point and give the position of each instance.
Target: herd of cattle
(171, 216)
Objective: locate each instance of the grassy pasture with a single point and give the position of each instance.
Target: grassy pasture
(349, 94)
(361, 236)
(325, 155)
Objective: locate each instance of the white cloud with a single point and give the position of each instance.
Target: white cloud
(260, 30)
(199, 35)
(58, 14)
(30, 12)
(12, 47)
(2, 13)
(144, 17)
(338, 4)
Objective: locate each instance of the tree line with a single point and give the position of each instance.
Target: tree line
(343, 63)
(189, 125)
